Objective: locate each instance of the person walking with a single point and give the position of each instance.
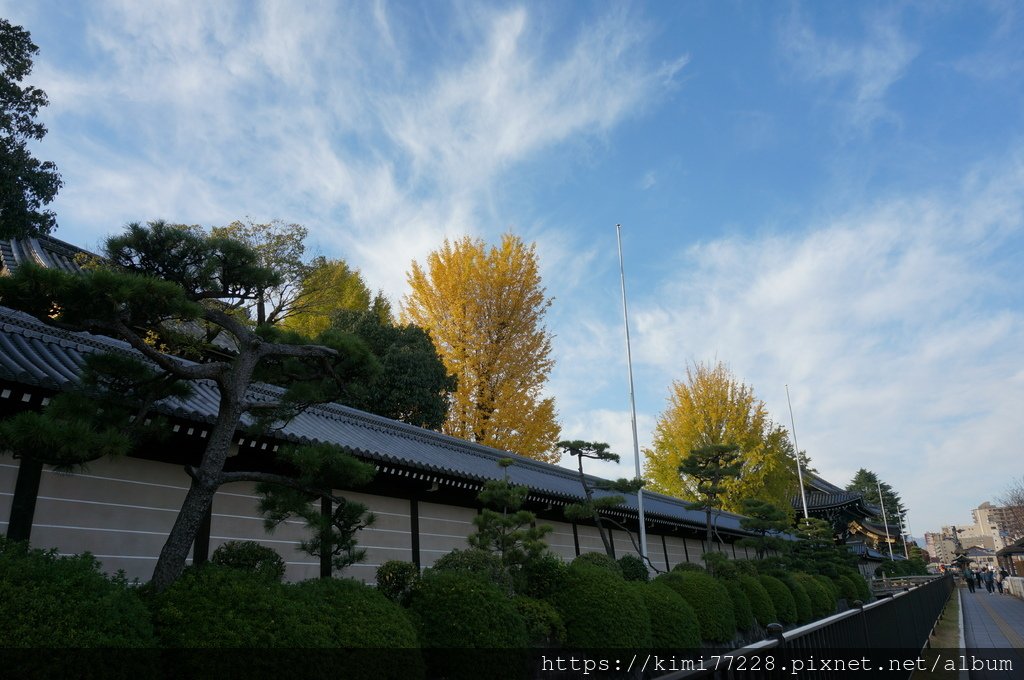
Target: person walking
(969, 578)
(987, 574)
(1000, 577)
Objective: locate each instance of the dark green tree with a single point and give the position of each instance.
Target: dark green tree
(26, 183)
(413, 385)
(160, 281)
(766, 521)
(708, 468)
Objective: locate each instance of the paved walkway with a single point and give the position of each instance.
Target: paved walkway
(994, 635)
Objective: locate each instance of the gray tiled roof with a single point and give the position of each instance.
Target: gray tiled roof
(45, 251)
(34, 353)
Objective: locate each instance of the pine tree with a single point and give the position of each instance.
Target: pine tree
(484, 310)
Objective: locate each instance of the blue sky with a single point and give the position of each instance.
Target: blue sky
(825, 195)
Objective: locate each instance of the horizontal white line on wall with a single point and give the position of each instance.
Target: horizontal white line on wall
(109, 505)
(112, 531)
(84, 475)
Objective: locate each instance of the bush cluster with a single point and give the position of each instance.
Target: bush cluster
(599, 609)
(709, 599)
(782, 599)
(250, 556)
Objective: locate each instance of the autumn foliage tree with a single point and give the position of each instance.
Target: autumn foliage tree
(711, 407)
(484, 309)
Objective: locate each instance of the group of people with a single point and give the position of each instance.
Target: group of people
(986, 577)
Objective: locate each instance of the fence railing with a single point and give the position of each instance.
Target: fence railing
(896, 621)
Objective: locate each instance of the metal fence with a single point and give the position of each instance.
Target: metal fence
(896, 622)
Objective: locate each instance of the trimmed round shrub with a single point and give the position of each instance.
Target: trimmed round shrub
(633, 568)
(251, 556)
(709, 599)
(720, 566)
(601, 561)
(829, 585)
(847, 589)
(52, 601)
(544, 626)
(358, 617)
(214, 606)
(599, 609)
(479, 562)
(822, 603)
(782, 598)
(741, 608)
(863, 589)
(396, 579)
(453, 609)
(746, 567)
(804, 614)
(688, 566)
(673, 621)
(760, 601)
(541, 576)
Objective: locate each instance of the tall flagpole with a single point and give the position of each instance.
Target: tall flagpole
(884, 520)
(903, 535)
(632, 401)
(799, 468)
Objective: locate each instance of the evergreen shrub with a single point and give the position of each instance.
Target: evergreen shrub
(782, 599)
(847, 589)
(52, 601)
(688, 566)
(396, 579)
(804, 613)
(454, 609)
(863, 589)
(601, 561)
(760, 601)
(544, 626)
(673, 621)
(251, 556)
(540, 576)
(476, 561)
(709, 599)
(822, 602)
(599, 609)
(741, 607)
(633, 568)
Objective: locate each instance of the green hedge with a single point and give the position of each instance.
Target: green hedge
(847, 589)
(822, 602)
(214, 606)
(709, 599)
(633, 568)
(600, 560)
(760, 601)
(52, 601)
(741, 607)
(251, 556)
(396, 579)
(782, 599)
(673, 621)
(541, 576)
(453, 609)
(863, 589)
(601, 610)
(544, 626)
(688, 566)
(475, 561)
(804, 613)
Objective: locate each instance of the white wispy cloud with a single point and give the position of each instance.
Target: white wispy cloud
(859, 74)
(330, 117)
(875, 321)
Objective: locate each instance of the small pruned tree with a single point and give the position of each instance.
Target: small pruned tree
(592, 506)
(334, 521)
(707, 469)
(503, 527)
(766, 521)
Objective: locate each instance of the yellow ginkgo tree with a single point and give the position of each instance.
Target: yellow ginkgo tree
(711, 408)
(484, 309)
